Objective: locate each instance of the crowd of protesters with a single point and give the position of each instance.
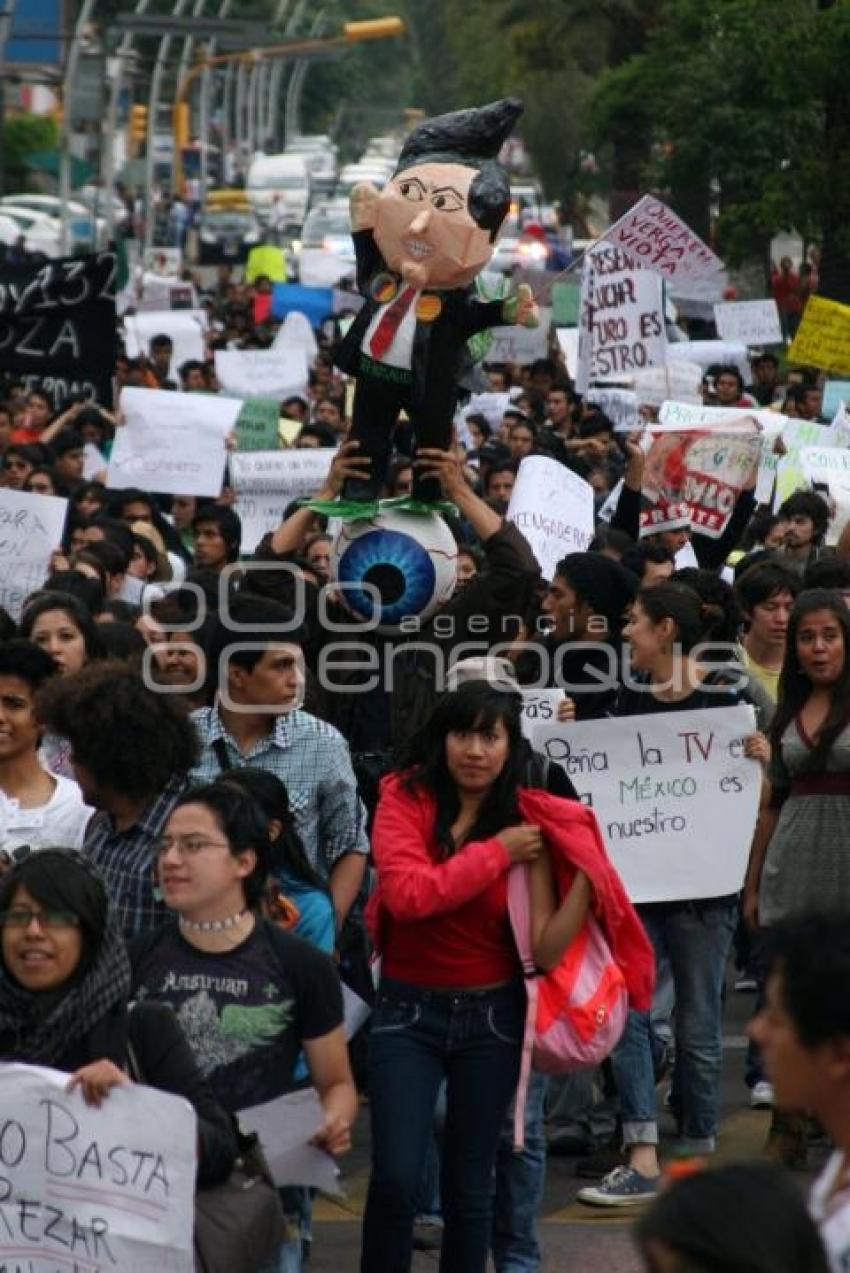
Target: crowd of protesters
(221, 829)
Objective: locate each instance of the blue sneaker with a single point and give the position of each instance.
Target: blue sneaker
(622, 1187)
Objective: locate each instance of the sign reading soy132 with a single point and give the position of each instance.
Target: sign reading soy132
(674, 794)
(86, 1190)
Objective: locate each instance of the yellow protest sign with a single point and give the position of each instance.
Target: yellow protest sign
(823, 337)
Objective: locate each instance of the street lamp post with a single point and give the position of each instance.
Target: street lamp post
(353, 32)
(153, 104)
(67, 122)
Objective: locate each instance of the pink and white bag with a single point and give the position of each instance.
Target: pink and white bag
(576, 1012)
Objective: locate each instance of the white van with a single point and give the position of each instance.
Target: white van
(278, 187)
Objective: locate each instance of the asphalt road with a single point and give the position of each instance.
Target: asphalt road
(575, 1237)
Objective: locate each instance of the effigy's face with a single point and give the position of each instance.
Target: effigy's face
(424, 229)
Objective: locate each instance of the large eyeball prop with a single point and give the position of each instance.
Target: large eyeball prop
(410, 558)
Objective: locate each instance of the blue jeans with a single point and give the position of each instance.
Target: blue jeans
(695, 938)
(519, 1187)
(418, 1038)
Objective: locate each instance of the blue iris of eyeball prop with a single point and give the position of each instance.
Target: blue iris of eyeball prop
(410, 558)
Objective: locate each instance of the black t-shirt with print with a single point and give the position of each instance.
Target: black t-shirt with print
(246, 1011)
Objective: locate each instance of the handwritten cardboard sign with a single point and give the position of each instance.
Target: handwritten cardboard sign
(31, 529)
(553, 507)
(89, 1190)
(266, 481)
(675, 797)
(172, 443)
(823, 337)
(656, 238)
(621, 323)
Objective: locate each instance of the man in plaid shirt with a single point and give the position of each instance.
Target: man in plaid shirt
(255, 722)
(132, 751)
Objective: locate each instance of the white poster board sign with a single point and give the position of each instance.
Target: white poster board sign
(94, 1189)
(491, 405)
(172, 443)
(675, 796)
(679, 379)
(621, 318)
(539, 707)
(520, 344)
(828, 471)
(186, 328)
(553, 507)
(749, 322)
(619, 405)
(656, 238)
(30, 530)
(262, 373)
(266, 481)
(708, 352)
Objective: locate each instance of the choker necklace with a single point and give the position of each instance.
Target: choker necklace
(211, 925)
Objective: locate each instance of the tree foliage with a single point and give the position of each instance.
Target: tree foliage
(22, 136)
(747, 114)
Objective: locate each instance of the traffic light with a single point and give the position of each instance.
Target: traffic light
(138, 123)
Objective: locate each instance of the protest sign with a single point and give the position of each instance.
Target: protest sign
(823, 337)
(491, 405)
(520, 344)
(266, 481)
(172, 443)
(708, 352)
(620, 406)
(31, 529)
(840, 426)
(621, 321)
(553, 507)
(698, 473)
(679, 379)
(566, 300)
(568, 341)
(185, 327)
(655, 238)
(749, 322)
(770, 422)
(295, 332)
(263, 373)
(164, 261)
(696, 298)
(257, 425)
(675, 797)
(160, 292)
(828, 471)
(538, 707)
(834, 393)
(797, 436)
(57, 326)
(86, 1188)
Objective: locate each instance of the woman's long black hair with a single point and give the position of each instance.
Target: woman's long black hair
(477, 705)
(795, 686)
(272, 798)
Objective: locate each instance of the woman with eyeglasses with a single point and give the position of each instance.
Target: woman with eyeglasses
(64, 992)
(249, 995)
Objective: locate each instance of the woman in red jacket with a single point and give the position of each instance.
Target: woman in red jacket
(451, 1004)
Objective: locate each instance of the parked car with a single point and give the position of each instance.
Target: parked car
(278, 187)
(228, 228)
(327, 250)
(86, 232)
(41, 233)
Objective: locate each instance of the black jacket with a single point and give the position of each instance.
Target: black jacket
(438, 346)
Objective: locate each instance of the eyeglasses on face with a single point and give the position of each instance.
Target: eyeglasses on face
(186, 845)
(23, 916)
